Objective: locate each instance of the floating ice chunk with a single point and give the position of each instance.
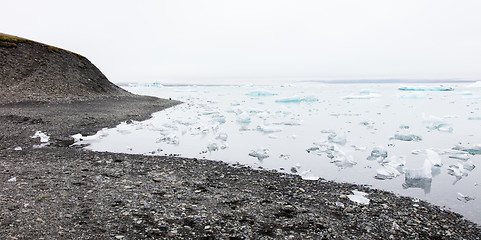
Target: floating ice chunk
(420, 173)
(404, 126)
(18, 149)
(437, 123)
(368, 124)
(407, 137)
(474, 150)
(343, 161)
(359, 197)
(14, 179)
(425, 88)
(465, 198)
(395, 162)
(260, 154)
(284, 156)
(222, 136)
(457, 171)
(434, 158)
(43, 137)
(218, 118)
(474, 118)
(387, 172)
(462, 157)
(378, 154)
(260, 93)
(169, 139)
(337, 138)
(268, 129)
(308, 175)
(224, 146)
(243, 118)
(296, 99)
(292, 122)
(212, 147)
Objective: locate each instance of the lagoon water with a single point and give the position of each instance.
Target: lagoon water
(417, 140)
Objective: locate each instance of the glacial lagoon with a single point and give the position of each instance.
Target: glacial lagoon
(417, 140)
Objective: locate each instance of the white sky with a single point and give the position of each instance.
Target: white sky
(224, 41)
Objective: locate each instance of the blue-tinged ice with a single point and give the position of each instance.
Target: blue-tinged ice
(474, 150)
(407, 137)
(411, 95)
(297, 99)
(260, 93)
(243, 118)
(359, 197)
(221, 136)
(425, 88)
(338, 138)
(260, 154)
(436, 123)
(474, 118)
(378, 154)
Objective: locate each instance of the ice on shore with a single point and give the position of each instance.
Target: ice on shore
(308, 175)
(406, 137)
(44, 138)
(18, 149)
(260, 154)
(359, 197)
(425, 88)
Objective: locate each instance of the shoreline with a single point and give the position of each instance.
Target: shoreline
(62, 192)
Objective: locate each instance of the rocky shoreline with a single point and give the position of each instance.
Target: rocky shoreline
(59, 192)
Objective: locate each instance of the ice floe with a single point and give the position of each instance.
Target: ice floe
(425, 88)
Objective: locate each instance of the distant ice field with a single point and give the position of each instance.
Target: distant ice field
(422, 141)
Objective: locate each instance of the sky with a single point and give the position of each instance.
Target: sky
(221, 41)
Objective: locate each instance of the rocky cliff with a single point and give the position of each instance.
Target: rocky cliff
(32, 71)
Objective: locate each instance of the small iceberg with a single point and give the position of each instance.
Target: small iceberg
(425, 88)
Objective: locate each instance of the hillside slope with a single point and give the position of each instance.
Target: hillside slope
(32, 71)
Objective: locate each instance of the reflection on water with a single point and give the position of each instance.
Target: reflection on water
(423, 144)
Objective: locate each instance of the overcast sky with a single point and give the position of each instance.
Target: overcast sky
(224, 41)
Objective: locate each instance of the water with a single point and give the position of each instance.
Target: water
(423, 144)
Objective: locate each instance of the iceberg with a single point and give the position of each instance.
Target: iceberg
(260, 154)
(359, 197)
(407, 137)
(425, 88)
(420, 173)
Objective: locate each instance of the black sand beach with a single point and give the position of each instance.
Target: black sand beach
(63, 192)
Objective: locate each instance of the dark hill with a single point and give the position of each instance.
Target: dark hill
(32, 71)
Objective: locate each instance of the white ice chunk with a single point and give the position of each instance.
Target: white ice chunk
(363, 96)
(338, 138)
(268, 129)
(420, 173)
(475, 85)
(212, 147)
(378, 153)
(18, 149)
(308, 175)
(43, 137)
(457, 171)
(465, 198)
(411, 95)
(222, 136)
(407, 137)
(425, 88)
(395, 162)
(243, 118)
(260, 154)
(434, 158)
(436, 123)
(387, 172)
(169, 139)
(14, 179)
(342, 161)
(359, 197)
